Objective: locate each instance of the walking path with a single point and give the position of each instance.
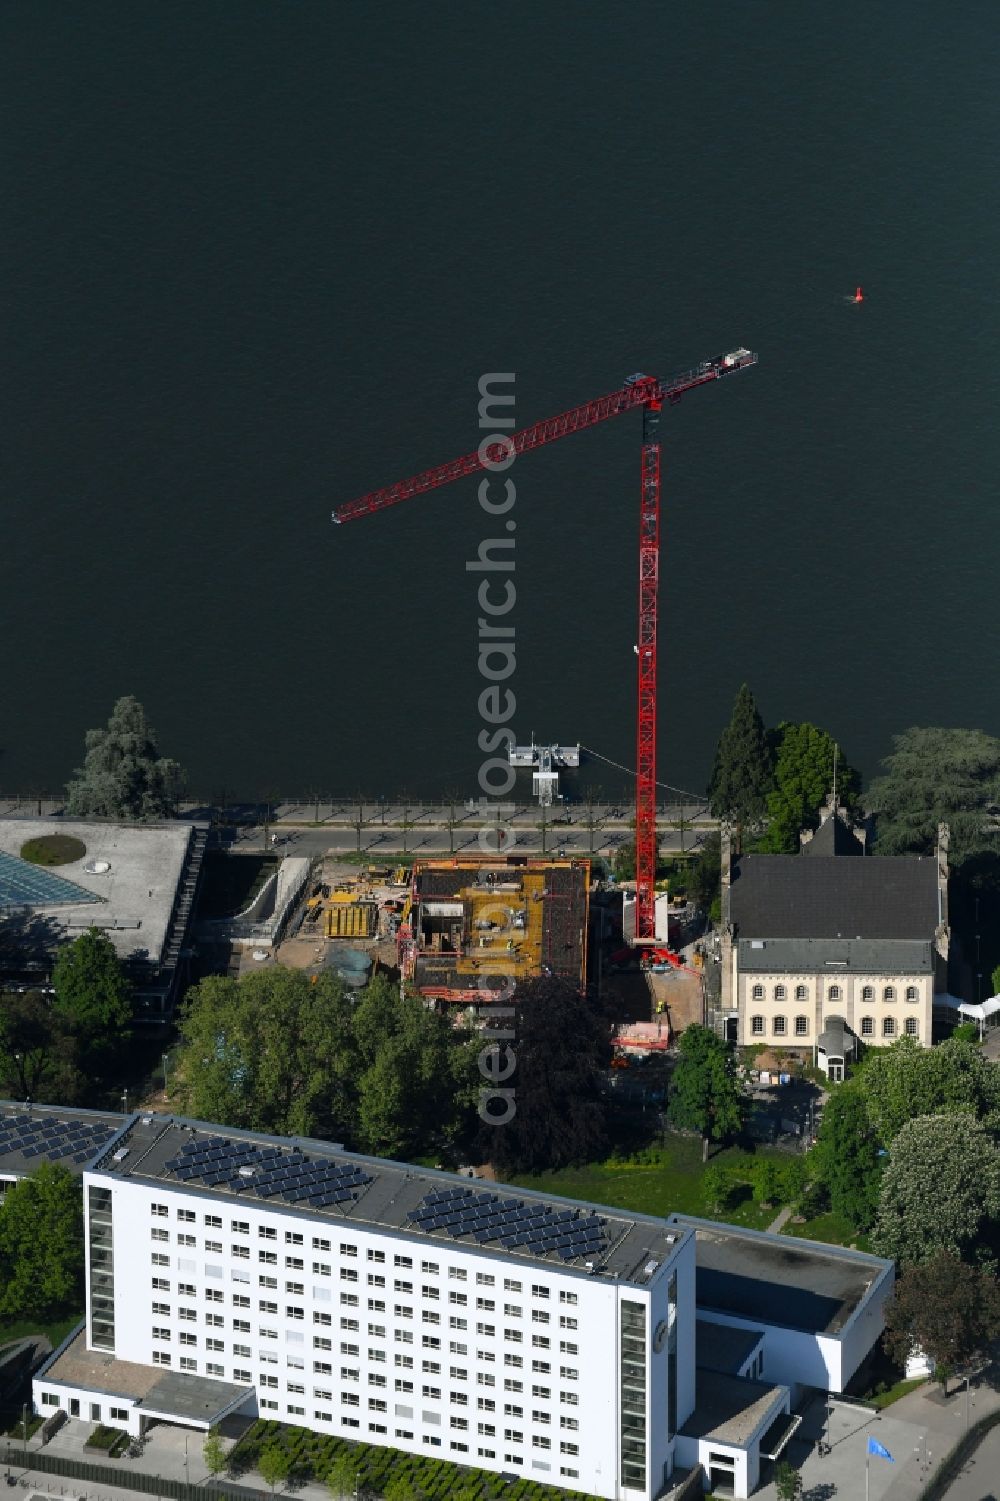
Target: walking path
(780, 1220)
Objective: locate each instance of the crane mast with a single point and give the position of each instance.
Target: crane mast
(649, 394)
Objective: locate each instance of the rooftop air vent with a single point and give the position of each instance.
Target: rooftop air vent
(120, 1155)
(247, 1172)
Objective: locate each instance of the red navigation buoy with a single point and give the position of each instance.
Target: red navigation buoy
(859, 296)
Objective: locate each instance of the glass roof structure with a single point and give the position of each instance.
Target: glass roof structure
(26, 885)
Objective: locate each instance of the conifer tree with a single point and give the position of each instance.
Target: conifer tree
(123, 774)
(742, 775)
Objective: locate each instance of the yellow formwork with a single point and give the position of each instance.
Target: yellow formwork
(351, 919)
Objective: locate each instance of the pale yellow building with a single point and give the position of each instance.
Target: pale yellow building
(831, 945)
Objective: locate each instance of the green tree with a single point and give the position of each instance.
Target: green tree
(945, 1308)
(846, 1156)
(803, 778)
(705, 1092)
(938, 776)
(940, 1190)
(765, 1181)
(37, 1050)
(623, 862)
(717, 1186)
(214, 1453)
(274, 1466)
(906, 1080)
(742, 772)
(41, 1245)
(271, 1052)
(342, 1477)
(123, 774)
(416, 1084)
(554, 1064)
(92, 991)
(787, 1481)
(704, 873)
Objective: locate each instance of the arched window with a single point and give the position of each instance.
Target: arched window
(888, 1026)
(888, 994)
(757, 994)
(911, 992)
(867, 992)
(912, 1027)
(801, 993)
(779, 1026)
(757, 1026)
(779, 992)
(802, 1026)
(868, 1026)
(833, 994)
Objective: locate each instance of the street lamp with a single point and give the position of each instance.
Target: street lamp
(164, 1076)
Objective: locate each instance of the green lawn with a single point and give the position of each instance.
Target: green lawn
(665, 1180)
(56, 1331)
(831, 1228)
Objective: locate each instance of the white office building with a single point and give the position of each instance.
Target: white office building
(235, 1273)
(229, 1272)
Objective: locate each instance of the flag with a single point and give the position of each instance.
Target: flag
(874, 1447)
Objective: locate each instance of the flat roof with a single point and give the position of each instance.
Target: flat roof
(724, 1347)
(730, 1409)
(779, 1279)
(175, 1394)
(633, 1246)
(33, 1134)
(132, 901)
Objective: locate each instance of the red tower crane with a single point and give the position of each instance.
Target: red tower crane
(649, 393)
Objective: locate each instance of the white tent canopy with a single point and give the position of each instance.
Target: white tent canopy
(967, 1008)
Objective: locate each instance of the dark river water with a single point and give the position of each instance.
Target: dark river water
(256, 256)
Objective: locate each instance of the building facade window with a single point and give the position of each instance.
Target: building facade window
(757, 1026)
(779, 992)
(911, 993)
(888, 1026)
(757, 993)
(633, 1395)
(867, 992)
(889, 993)
(801, 1026)
(779, 1026)
(833, 994)
(912, 1027)
(868, 1026)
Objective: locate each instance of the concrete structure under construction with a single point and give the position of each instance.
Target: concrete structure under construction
(472, 926)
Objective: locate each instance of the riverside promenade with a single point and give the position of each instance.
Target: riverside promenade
(383, 828)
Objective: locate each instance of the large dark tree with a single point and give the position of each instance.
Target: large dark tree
(705, 1093)
(94, 1000)
(945, 1308)
(940, 1191)
(903, 1081)
(847, 1157)
(416, 1078)
(41, 1245)
(37, 1050)
(934, 776)
(806, 759)
(123, 774)
(559, 1049)
(742, 775)
(271, 1052)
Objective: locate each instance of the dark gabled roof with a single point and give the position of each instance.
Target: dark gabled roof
(784, 896)
(833, 838)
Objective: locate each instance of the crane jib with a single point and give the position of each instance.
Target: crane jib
(638, 391)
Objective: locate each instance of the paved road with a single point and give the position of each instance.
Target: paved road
(380, 843)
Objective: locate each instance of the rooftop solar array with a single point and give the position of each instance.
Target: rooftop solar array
(26, 885)
(268, 1172)
(514, 1224)
(47, 1138)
